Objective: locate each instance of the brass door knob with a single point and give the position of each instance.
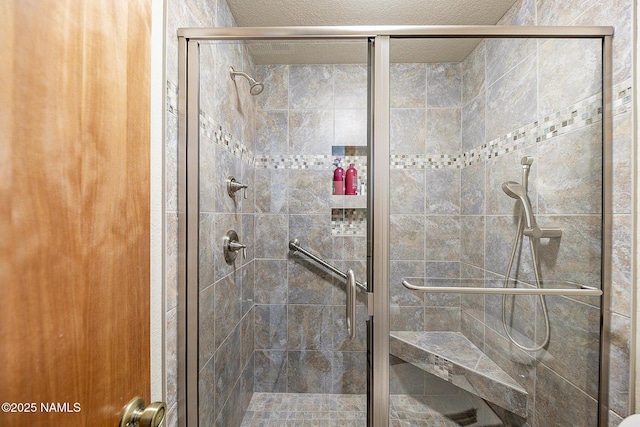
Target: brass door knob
(135, 414)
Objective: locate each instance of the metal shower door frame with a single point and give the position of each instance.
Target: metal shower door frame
(378, 206)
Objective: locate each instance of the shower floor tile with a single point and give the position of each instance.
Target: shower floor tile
(349, 410)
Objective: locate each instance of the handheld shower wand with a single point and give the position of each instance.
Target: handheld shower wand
(520, 191)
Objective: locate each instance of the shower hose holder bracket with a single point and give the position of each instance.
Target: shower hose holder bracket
(543, 233)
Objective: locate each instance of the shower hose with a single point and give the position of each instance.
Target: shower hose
(534, 260)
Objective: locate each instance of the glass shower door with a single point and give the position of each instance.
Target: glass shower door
(275, 241)
(495, 224)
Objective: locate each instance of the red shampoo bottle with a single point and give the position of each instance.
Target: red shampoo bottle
(351, 181)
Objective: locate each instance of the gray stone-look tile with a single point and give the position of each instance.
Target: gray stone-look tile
(617, 13)
(247, 331)
(444, 85)
(472, 241)
(621, 272)
(407, 131)
(273, 132)
(442, 191)
(350, 127)
(270, 371)
(270, 281)
(206, 325)
(171, 357)
(310, 86)
(574, 344)
(348, 372)
(443, 131)
(272, 191)
(308, 283)
(313, 233)
(622, 163)
(569, 71)
(408, 192)
(309, 191)
(472, 190)
(400, 295)
(227, 368)
(619, 364)
(408, 232)
(404, 378)
(473, 74)
(511, 101)
(311, 131)
(350, 86)
(227, 308)
(406, 318)
(473, 123)
(270, 327)
(207, 394)
(275, 78)
(523, 12)
(504, 54)
(408, 85)
(442, 319)
(206, 264)
(271, 240)
(309, 327)
(444, 237)
(576, 257)
(309, 372)
(552, 394)
(575, 186)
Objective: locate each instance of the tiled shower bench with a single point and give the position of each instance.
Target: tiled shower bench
(452, 357)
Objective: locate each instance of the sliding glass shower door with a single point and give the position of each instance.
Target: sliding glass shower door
(281, 333)
(476, 240)
(495, 225)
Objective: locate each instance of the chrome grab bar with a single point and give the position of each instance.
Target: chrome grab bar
(294, 246)
(584, 291)
(351, 304)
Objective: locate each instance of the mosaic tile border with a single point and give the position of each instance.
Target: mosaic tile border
(348, 222)
(583, 113)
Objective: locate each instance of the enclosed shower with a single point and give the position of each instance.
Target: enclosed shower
(463, 286)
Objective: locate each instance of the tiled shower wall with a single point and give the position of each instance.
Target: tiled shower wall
(536, 98)
(300, 340)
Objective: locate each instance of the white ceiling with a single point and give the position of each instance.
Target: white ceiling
(267, 13)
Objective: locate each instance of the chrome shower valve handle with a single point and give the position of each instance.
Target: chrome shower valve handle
(234, 186)
(231, 246)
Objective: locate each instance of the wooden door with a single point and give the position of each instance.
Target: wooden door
(74, 206)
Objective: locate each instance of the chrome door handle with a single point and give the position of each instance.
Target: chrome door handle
(135, 414)
(351, 304)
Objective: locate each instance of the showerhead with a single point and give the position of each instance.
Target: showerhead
(256, 88)
(517, 191)
(514, 189)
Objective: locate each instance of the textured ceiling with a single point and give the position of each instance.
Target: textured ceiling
(267, 13)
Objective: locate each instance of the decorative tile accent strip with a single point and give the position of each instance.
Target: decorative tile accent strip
(584, 113)
(309, 161)
(348, 222)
